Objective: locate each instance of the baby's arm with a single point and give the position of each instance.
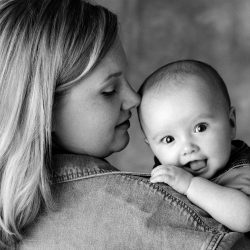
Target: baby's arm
(229, 206)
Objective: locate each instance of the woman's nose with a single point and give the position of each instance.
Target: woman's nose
(130, 99)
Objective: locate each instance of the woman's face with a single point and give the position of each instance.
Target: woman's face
(93, 118)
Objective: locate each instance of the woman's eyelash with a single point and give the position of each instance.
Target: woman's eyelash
(109, 93)
(111, 89)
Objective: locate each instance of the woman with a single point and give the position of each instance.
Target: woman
(65, 105)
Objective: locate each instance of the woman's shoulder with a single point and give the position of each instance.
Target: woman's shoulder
(109, 209)
(70, 167)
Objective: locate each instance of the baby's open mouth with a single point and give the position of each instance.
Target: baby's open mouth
(196, 166)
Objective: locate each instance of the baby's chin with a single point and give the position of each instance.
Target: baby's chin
(211, 172)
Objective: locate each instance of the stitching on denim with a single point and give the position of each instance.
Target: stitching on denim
(88, 173)
(179, 202)
(240, 163)
(239, 158)
(101, 172)
(91, 173)
(210, 243)
(237, 164)
(76, 173)
(215, 241)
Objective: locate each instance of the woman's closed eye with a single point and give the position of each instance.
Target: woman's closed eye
(112, 88)
(201, 127)
(167, 139)
(109, 91)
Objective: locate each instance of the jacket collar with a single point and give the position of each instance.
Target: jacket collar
(69, 167)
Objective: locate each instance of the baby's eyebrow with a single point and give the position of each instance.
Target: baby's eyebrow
(159, 135)
(205, 116)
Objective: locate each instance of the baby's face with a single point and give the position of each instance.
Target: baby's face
(188, 126)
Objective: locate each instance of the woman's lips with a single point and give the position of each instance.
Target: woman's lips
(125, 125)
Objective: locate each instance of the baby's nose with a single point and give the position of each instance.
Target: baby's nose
(190, 148)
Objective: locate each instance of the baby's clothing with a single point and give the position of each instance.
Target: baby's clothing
(236, 173)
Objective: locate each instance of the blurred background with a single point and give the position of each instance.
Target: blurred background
(155, 32)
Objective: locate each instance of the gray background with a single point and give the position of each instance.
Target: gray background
(155, 32)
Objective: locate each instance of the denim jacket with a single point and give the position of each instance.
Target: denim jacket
(99, 207)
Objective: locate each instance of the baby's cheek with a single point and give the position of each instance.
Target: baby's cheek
(222, 155)
(170, 161)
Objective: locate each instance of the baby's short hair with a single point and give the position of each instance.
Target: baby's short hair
(183, 67)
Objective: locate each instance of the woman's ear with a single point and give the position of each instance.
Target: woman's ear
(232, 120)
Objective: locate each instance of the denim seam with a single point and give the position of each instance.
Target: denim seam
(179, 202)
(69, 177)
(215, 241)
(240, 162)
(235, 165)
(90, 174)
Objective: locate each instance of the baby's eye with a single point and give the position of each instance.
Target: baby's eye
(167, 139)
(201, 127)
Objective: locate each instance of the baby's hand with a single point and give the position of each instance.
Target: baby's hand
(176, 177)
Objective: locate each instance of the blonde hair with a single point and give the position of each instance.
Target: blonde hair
(46, 46)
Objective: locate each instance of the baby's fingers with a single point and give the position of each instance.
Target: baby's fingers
(161, 178)
(161, 169)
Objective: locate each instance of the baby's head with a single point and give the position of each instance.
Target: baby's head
(187, 118)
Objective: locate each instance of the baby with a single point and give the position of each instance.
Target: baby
(189, 123)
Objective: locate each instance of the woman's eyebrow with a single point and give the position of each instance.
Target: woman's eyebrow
(116, 74)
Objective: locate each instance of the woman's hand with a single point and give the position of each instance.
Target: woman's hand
(176, 177)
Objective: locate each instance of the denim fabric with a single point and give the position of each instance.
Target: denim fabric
(236, 174)
(99, 207)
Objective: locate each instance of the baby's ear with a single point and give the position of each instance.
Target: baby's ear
(232, 120)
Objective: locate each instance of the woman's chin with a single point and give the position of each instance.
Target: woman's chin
(115, 144)
(119, 144)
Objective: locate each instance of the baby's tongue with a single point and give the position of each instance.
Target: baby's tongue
(196, 165)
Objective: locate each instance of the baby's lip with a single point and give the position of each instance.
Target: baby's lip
(196, 165)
